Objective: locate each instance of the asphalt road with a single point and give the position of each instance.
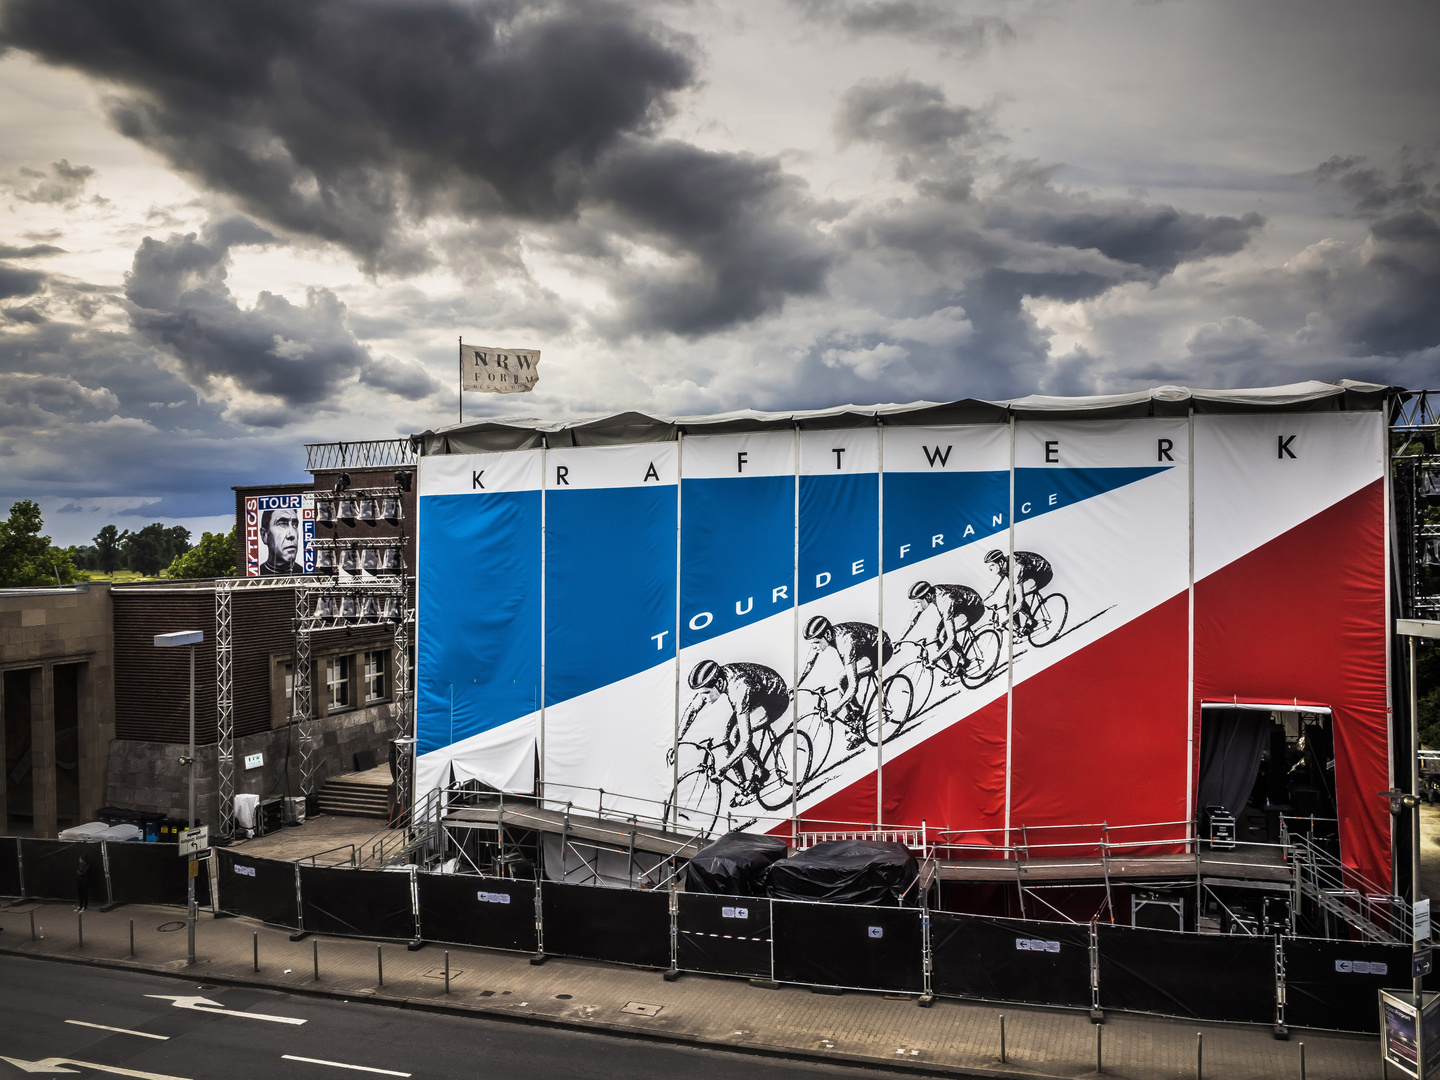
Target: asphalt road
(40, 1003)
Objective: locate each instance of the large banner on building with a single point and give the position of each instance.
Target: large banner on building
(1003, 631)
(279, 534)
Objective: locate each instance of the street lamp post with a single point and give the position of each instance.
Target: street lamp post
(170, 641)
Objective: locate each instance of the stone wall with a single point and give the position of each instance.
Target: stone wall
(149, 776)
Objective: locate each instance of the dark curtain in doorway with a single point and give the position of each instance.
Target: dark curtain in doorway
(1232, 741)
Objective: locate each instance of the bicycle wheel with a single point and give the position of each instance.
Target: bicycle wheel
(899, 705)
(790, 751)
(982, 658)
(697, 801)
(865, 707)
(819, 728)
(1049, 617)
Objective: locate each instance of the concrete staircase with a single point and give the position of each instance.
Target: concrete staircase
(358, 794)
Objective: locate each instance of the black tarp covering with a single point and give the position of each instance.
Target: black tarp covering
(1332, 984)
(845, 872)
(51, 865)
(734, 865)
(154, 874)
(360, 903)
(624, 926)
(1201, 976)
(261, 889)
(1231, 744)
(9, 866)
(724, 935)
(496, 913)
(868, 948)
(1010, 960)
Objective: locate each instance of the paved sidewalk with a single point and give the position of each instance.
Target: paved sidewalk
(864, 1028)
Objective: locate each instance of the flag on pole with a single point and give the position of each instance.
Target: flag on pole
(498, 371)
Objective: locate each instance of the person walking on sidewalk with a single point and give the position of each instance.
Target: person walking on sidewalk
(82, 884)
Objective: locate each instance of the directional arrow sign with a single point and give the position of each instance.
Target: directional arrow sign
(57, 1065)
(214, 1008)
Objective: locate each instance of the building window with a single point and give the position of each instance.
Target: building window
(338, 671)
(377, 675)
(282, 684)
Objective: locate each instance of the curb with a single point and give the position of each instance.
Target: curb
(592, 1027)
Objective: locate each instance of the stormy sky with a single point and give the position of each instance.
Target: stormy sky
(230, 228)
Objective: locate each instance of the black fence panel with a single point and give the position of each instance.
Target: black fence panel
(723, 935)
(855, 945)
(361, 903)
(1010, 960)
(496, 913)
(51, 869)
(153, 874)
(9, 866)
(261, 889)
(1202, 976)
(625, 926)
(1332, 984)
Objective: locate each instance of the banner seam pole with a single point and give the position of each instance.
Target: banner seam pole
(1388, 525)
(460, 376)
(880, 628)
(544, 465)
(675, 737)
(794, 667)
(1010, 639)
(1191, 836)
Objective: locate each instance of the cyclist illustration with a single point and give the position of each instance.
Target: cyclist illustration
(959, 609)
(861, 648)
(757, 697)
(1037, 618)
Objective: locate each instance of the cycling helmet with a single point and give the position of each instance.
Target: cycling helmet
(921, 590)
(704, 674)
(996, 557)
(817, 627)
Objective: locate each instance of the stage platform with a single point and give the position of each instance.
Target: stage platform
(621, 835)
(1231, 866)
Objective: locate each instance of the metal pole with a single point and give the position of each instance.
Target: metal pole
(315, 942)
(1302, 1061)
(447, 971)
(460, 369)
(132, 937)
(1099, 1061)
(32, 924)
(190, 878)
(1419, 984)
(256, 944)
(1002, 1038)
(380, 965)
(80, 928)
(1199, 1056)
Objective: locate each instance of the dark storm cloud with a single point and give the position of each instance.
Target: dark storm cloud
(906, 117)
(32, 251)
(15, 281)
(930, 23)
(740, 228)
(340, 119)
(288, 355)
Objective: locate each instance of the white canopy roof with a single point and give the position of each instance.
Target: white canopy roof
(525, 432)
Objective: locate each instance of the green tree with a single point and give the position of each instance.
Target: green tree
(213, 557)
(154, 547)
(107, 549)
(26, 556)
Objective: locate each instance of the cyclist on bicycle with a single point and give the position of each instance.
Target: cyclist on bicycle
(855, 643)
(1032, 573)
(757, 696)
(959, 608)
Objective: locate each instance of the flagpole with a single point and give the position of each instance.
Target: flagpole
(460, 370)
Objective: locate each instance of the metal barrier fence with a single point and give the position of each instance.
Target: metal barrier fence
(1308, 982)
(116, 873)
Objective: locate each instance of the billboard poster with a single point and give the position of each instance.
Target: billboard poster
(279, 534)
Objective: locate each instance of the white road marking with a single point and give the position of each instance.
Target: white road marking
(55, 1065)
(214, 1008)
(342, 1065)
(122, 1031)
